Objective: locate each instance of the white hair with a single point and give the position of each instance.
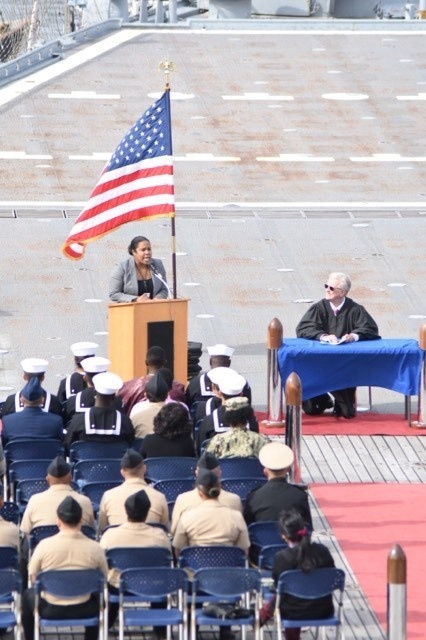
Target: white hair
(343, 280)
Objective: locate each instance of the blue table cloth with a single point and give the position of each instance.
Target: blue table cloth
(390, 363)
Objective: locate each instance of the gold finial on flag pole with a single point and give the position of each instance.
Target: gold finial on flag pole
(167, 66)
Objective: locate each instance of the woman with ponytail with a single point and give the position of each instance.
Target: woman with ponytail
(303, 554)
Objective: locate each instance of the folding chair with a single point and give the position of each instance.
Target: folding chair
(95, 490)
(263, 534)
(9, 558)
(242, 486)
(311, 586)
(10, 512)
(96, 471)
(24, 489)
(71, 583)
(84, 450)
(240, 467)
(10, 601)
(172, 488)
(240, 587)
(139, 587)
(26, 470)
(164, 468)
(45, 531)
(122, 558)
(34, 449)
(211, 556)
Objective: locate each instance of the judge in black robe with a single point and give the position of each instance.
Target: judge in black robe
(329, 320)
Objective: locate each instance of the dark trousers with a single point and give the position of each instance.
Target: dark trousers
(60, 612)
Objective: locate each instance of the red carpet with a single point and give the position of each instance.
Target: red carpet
(368, 519)
(365, 424)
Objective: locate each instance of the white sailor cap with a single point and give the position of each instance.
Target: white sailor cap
(84, 348)
(34, 365)
(229, 381)
(95, 364)
(276, 456)
(107, 383)
(220, 350)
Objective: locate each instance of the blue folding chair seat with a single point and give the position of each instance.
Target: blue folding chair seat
(96, 470)
(10, 600)
(238, 586)
(164, 468)
(161, 585)
(85, 450)
(45, 531)
(25, 449)
(242, 486)
(71, 583)
(201, 557)
(95, 490)
(9, 558)
(10, 512)
(240, 467)
(318, 583)
(24, 489)
(172, 488)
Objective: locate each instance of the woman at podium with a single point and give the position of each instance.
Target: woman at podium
(141, 277)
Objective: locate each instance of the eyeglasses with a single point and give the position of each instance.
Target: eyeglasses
(327, 286)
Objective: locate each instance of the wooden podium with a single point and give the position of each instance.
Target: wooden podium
(134, 327)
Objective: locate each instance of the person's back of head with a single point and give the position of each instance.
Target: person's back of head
(58, 472)
(167, 376)
(293, 529)
(137, 506)
(156, 389)
(132, 465)
(172, 421)
(238, 412)
(208, 484)
(155, 358)
(69, 513)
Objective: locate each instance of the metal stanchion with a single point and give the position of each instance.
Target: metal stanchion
(293, 432)
(274, 415)
(421, 418)
(397, 594)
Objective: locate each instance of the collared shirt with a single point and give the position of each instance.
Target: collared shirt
(132, 534)
(191, 499)
(41, 507)
(211, 523)
(112, 510)
(142, 416)
(67, 550)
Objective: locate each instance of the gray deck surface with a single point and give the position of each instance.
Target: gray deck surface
(255, 238)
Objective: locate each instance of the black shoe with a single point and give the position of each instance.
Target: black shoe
(344, 411)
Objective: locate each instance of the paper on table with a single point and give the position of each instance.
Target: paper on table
(340, 341)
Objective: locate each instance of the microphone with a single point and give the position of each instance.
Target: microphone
(160, 277)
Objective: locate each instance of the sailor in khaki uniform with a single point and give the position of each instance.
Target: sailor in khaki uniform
(111, 509)
(68, 549)
(9, 532)
(143, 413)
(210, 523)
(41, 507)
(191, 499)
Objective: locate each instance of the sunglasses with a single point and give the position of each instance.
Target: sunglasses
(327, 286)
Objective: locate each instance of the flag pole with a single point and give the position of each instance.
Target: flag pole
(167, 66)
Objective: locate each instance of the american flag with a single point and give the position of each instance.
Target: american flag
(136, 183)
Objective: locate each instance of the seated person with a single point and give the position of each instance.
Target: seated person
(303, 554)
(68, 549)
(32, 421)
(133, 533)
(143, 413)
(74, 382)
(336, 319)
(226, 383)
(172, 434)
(238, 440)
(102, 422)
(133, 391)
